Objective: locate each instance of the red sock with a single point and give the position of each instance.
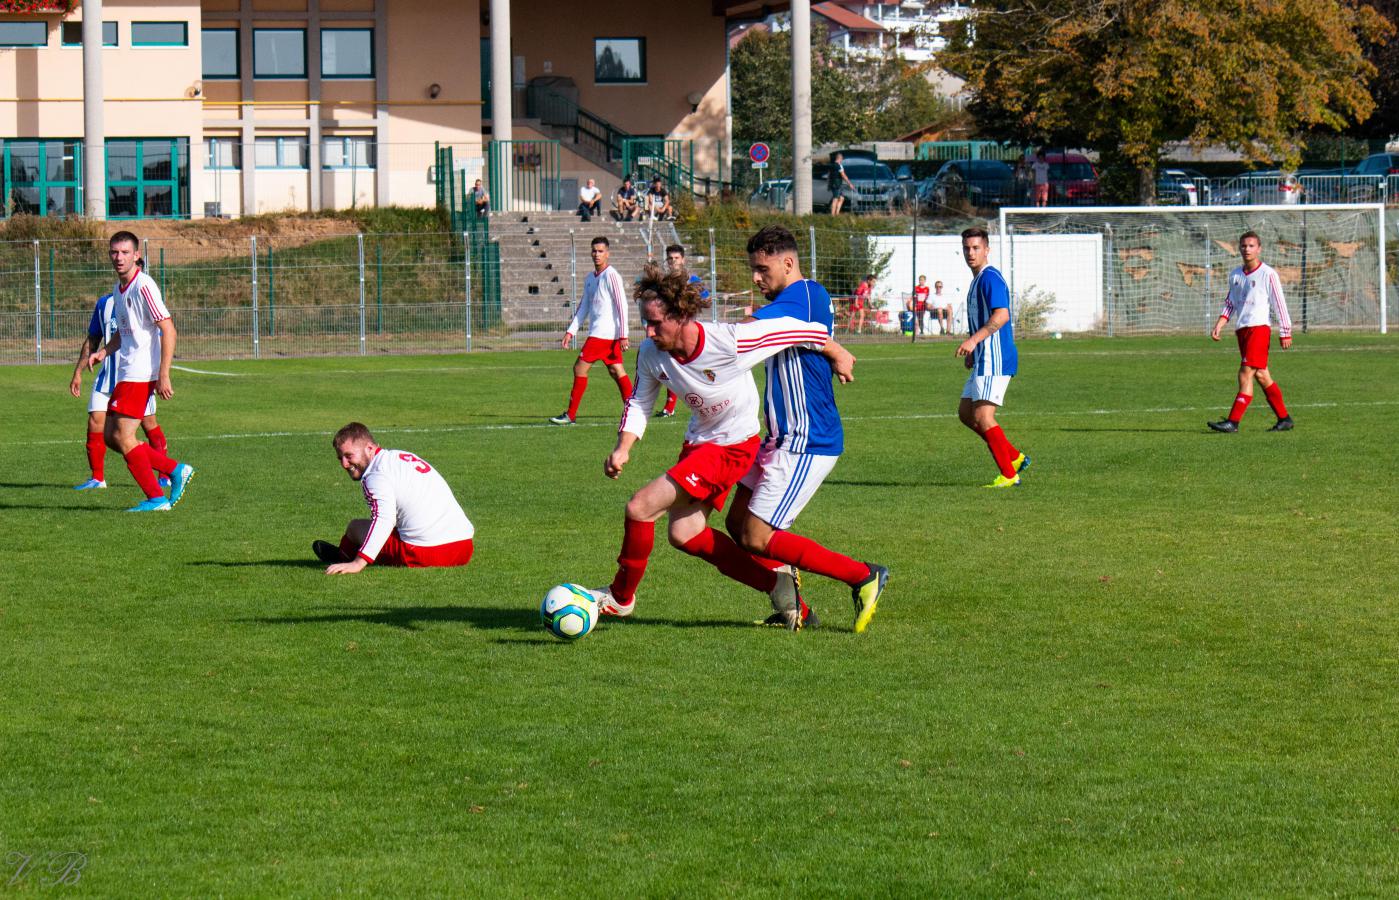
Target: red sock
(719, 550)
(96, 455)
(637, 540)
(806, 554)
(138, 461)
(1001, 451)
(575, 396)
(156, 438)
(1274, 395)
(159, 461)
(1241, 402)
(624, 385)
(670, 399)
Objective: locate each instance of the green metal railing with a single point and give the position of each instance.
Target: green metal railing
(554, 109)
(672, 160)
(941, 151)
(524, 176)
(455, 203)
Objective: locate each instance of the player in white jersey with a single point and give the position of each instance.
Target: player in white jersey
(143, 348)
(805, 437)
(710, 367)
(604, 305)
(99, 332)
(1255, 294)
(414, 520)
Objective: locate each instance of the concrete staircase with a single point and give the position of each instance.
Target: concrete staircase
(538, 255)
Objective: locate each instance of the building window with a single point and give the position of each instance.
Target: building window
(348, 152)
(347, 53)
(220, 52)
(279, 52)
(280, 153)
(619, 60)
(73, 34)
(148, 178)
(223, 153)
(24, 34)
(160, 34)
(43, 178)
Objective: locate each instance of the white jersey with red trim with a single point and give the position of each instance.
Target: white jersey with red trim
(604, 305)
(406, 493)
(717, 382)
(1252, 295)
(139, 308)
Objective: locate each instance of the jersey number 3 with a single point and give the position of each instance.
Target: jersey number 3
(420, 467)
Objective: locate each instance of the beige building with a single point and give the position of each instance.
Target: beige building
(222, 107)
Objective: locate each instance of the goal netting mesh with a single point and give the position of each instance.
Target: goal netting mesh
(1159, 270)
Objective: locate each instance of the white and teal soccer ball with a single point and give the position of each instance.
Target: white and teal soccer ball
(568, 611)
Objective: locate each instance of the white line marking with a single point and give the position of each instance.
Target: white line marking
(204, 372)
(526, 426)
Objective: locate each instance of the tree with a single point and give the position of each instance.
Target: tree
(1384, 123)
(852, 99)
(1125, 77)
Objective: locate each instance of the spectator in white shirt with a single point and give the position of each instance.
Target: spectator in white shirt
(589, 201)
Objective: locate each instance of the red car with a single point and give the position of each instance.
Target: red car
(1072, 179)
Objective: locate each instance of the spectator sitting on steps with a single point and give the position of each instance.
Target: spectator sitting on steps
(589, 201)
(658, 201)
(482, 199)
(624, 207)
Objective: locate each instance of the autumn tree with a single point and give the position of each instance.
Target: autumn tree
(1126, 77)
(853, 98)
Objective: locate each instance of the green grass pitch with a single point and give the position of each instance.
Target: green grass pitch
(1169, 662)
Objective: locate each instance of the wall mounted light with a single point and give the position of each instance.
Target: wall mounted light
(695, 98)
(433, 90)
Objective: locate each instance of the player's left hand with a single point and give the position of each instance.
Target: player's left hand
(163, 388)
(94, 359)
(626, 342)
(844, 366)
(615, 462)
(1285, 342)
(354, 567)
(75, 387)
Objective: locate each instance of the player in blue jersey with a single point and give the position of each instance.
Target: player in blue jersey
(990, 354)
(804, 438)
(99, 332)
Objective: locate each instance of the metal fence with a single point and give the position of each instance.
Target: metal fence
(359, 294)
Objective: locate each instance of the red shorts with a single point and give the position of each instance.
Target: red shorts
(1253, 345)
(397, 553)
(129, 398)
(1041, 192)
(601, 350)
(708, 471)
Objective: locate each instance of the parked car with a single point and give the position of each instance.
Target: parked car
(1374, 179)
(979, 182)
(1251, 188)
(877, 188)
(1182, 187)
(1072, 179)
(775, 194)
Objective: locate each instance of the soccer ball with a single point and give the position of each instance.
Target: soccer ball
(568, 611)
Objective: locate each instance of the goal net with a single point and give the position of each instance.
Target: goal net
(1143, 270)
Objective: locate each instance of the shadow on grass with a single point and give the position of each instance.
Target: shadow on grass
(58, 507)
(1120, 430)
(912, 482)
(308, 563)
(412, 618)
(35, 484)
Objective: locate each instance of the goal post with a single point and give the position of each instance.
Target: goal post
(1158, 270)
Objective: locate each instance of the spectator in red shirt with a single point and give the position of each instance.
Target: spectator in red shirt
(864, 295)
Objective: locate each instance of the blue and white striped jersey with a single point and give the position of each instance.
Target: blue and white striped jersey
(996, 355)
(799, 404)
(102, 325)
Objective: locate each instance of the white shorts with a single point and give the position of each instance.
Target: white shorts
(98, 402)
(783, 483)
(986, 387)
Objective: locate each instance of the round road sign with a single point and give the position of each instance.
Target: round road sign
(759, 152)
